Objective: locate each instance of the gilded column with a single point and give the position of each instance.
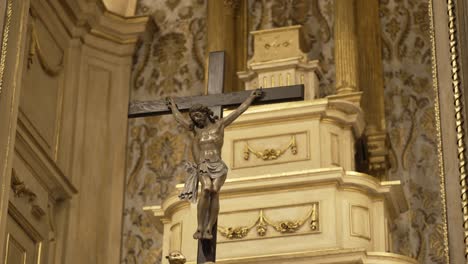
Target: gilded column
(224, 22)
(346, 58)
(371, 83)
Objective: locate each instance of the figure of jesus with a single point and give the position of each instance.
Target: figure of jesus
(209, 168)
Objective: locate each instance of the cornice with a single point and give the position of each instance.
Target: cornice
(46, 170)
(337, 177)
(95, 25)
(341, 112)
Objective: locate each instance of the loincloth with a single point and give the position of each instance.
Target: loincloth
(213, 169)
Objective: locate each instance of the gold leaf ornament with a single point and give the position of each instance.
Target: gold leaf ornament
(262, 223)
(270, 153)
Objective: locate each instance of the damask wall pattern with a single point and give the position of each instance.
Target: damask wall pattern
(409, 110)
(169, 61)
(409, 104)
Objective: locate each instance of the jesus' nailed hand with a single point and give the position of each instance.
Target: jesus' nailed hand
(211, 171)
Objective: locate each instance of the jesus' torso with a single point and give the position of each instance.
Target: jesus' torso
(207, 142)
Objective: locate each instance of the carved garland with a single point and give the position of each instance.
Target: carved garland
(263, 222)
(21, 190)
(270, 153)
(35, 49)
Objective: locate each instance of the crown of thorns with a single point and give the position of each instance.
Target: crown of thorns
(203, 109)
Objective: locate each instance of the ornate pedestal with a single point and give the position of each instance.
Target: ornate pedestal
(279, 61)
(292, 195)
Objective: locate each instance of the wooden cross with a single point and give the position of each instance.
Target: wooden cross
(216, 100)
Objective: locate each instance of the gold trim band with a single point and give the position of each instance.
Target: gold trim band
(6, 32)
(441, 166)
(457, 94)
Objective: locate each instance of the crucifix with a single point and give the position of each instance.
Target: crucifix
(207, 124)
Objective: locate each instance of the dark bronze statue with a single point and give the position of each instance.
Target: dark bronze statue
(209, 168)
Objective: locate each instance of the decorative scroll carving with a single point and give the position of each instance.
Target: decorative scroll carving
(275, 44)
(235, 232)
(37, 211)
(262, 226)
(263, 222)
(288, 226)
(270, 154)
(20, 189)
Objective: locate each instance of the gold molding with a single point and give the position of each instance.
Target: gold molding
(39, 252)
(435, 83)
(459, 118)
(270, 153)
(9, 144)
(262, 223)
(7, 248)
(6, 32)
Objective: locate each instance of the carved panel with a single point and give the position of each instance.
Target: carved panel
(21, 245)
(41, 92)
(335, 149)
(276, 149)
(275, 44)
(360, 222)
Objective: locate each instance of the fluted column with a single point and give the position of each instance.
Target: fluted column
(370, 62)
(371, 83)
(346, 58)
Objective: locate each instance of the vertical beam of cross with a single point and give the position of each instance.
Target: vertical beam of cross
(207, 247)
(216, 78)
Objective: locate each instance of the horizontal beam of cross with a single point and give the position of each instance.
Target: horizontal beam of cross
(271, 95)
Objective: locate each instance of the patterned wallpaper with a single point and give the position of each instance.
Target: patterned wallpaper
(409, 109)
(169, 61)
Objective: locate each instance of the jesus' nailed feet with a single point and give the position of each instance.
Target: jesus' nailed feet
(203, 235)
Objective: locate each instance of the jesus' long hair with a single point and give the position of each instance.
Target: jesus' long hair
(202, 109)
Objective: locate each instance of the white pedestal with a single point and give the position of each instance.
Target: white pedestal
(292, 195)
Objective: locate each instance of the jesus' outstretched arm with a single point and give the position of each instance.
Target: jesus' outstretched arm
(177, 115)
(241, 109)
